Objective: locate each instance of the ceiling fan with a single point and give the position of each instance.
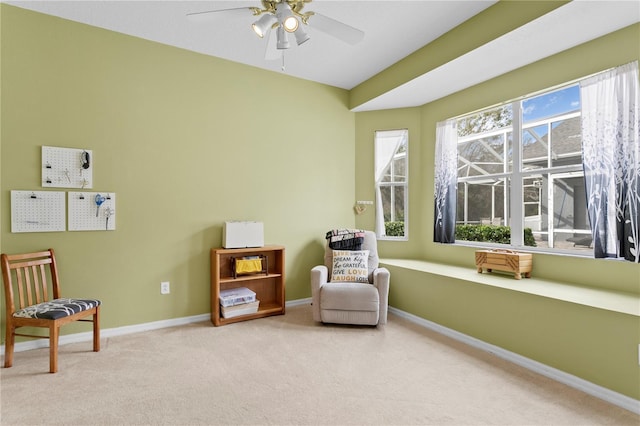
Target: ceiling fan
(278, 18)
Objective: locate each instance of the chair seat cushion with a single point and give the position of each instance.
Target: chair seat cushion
(349, 297)
(57, 308)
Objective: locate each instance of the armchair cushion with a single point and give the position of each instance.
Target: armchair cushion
(350, 297)
(350, 266)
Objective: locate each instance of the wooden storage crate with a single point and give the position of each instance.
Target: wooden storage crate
(505, 260)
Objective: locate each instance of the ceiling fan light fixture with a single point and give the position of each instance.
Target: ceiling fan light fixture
(291, 24)
(283, 41)
(286, 17)
(301, 35)
(262, 25)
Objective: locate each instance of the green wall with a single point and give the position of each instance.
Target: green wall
(597, 345)
(186, 141)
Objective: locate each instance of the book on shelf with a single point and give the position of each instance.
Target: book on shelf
(241, 309)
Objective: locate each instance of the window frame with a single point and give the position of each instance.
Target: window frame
(393, 184)
(515, 175)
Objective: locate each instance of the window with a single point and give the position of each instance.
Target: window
(520, 179)
(392, 180)
(535, 172)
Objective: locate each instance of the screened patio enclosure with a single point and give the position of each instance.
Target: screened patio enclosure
(547, 182)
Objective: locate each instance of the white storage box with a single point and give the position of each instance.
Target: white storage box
(242, 309)
(236, 296)
(239, 234)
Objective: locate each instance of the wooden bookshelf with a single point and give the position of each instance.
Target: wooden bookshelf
(269, 286)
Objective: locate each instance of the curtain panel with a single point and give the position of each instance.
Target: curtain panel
(611, 160)
(445, 191)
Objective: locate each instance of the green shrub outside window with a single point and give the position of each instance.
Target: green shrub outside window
(394, 229)
(491, 234)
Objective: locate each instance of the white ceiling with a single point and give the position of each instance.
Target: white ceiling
(393, 29)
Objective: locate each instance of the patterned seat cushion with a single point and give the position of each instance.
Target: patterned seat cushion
(57, 308)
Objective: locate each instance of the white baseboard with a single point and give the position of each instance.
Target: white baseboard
(109, 332)
(585, 386)
(120, 331)
(298, 302)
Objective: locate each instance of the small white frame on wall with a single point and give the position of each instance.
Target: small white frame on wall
(67, 167)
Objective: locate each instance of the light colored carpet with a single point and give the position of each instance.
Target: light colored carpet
(288, 370)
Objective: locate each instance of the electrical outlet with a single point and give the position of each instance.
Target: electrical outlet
(165, 287)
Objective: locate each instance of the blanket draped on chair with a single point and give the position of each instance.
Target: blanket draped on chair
(345, 239)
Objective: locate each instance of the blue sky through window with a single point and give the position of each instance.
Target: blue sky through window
(551, 104)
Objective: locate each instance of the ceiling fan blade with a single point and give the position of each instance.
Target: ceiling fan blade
(272, 52)
(336, 29)
(210, 15)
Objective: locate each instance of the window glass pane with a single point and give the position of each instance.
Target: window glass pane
(535, 147)
(531, 189)
(551, 104)
(551, 133)
(393, 207)
(566, 142)
(567, 227)
(535, 209)
(481, 156)
(573, 241)
(400, 168)
(569, 203)
(385, 192)
(482, 210)
(509, 136)
(461, 210)
(398, 192)
(482, 202)
(486, 121)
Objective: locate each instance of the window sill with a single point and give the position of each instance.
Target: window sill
(625, 303)
(385, 238)
(526, 249)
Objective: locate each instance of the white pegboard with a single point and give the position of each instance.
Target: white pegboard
(67, 167)
(85, 215)
(37, 211)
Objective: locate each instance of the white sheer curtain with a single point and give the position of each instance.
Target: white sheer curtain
(385, 149)
(446, 175)
(611, 160)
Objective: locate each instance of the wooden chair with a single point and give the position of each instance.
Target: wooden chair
(26, 276)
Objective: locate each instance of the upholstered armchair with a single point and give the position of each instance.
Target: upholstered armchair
(341, 300)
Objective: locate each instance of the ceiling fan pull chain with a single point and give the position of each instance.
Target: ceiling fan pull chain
(282, 61)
